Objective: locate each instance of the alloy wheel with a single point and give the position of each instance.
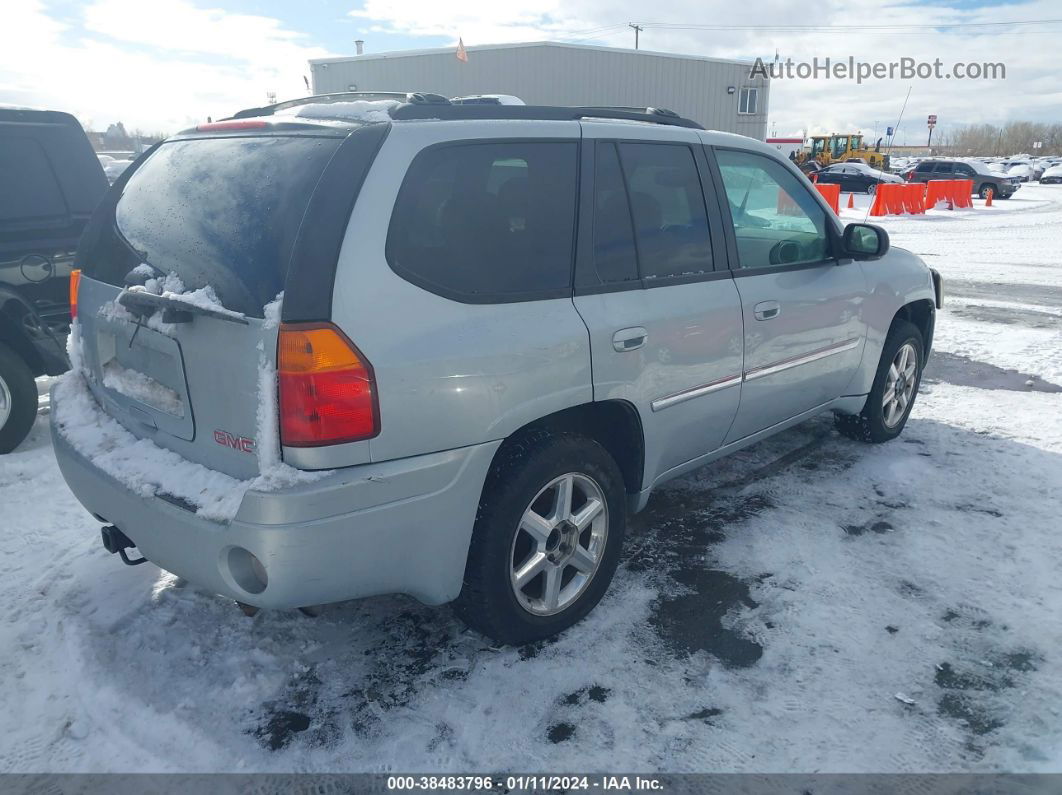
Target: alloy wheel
(900, 384)
(6, 402)
(559, 544)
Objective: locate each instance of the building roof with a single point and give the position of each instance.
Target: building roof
(525, 45)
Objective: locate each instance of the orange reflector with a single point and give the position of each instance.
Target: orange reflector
(320, 349)
(75, 284)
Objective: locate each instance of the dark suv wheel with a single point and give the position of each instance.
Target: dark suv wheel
(18, 399)
(895, 387)
(546, 540)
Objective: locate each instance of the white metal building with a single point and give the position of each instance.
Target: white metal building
(720, 94)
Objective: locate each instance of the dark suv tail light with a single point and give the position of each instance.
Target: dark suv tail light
(327, 387)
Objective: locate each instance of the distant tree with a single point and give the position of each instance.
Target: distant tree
(117, 138)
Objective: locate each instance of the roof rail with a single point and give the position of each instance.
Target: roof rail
(446, 111)
(324, 99)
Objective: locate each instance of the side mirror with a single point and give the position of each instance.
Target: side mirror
(865, 241)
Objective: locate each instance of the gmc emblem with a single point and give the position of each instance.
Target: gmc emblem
(241, 443)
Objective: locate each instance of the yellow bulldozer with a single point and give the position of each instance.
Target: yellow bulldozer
(827, 149)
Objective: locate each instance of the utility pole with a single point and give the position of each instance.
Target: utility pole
(637, 29)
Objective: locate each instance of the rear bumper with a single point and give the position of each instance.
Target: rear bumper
(396, 527)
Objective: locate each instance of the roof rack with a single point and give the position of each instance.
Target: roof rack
(424, 105)
(444, 110)
(341, 96)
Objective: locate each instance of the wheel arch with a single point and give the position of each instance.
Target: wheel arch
(922, 315)
(614, 424)
(14, 336)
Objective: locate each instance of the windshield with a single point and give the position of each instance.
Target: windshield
(222, 212)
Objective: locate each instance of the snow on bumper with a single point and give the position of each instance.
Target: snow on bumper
(394, 527)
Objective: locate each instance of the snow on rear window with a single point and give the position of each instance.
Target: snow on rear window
(359, 110)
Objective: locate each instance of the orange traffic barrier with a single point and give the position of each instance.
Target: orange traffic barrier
(937, 191)
(786, 205)
(832, 195)
(962, 192)
(914, 198)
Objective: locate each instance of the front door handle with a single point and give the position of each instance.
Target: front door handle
(765, 310)
(629, 339)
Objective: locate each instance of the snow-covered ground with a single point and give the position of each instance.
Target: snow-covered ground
(810, 604)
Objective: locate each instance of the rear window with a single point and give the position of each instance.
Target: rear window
(223, 212)
(487, 221)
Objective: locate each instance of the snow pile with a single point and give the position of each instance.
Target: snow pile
(273, 473)
(144, 467)
(139, 464)
(359, 110)
(171, 288)
(136, 385)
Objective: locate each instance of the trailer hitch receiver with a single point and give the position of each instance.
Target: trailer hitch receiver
(114, 540)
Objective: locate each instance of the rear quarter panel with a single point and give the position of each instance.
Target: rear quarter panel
(451, 374)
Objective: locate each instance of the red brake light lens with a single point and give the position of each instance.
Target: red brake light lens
(75, 284)
(238, 124)
(327, 387)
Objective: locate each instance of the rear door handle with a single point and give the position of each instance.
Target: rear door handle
(765, 310)
(629, 339)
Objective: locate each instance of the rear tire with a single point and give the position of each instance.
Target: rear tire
(534, 570)
(984, 189)
(895, 388)
(18, 400)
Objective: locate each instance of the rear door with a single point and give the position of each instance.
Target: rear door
(211, 220)
(652, 287)
(803, 332)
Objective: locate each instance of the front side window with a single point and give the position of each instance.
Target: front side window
(487, 221)
(748, 100)
(776, 219)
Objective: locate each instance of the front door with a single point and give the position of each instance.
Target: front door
(803, 332)
(652, 287)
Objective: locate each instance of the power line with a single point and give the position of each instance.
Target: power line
(847, 28)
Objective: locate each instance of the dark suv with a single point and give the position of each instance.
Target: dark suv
(1002, 186)
(52, 183)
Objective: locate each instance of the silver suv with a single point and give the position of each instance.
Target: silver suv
(366, 348)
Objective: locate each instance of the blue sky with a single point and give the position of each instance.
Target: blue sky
(165, 64)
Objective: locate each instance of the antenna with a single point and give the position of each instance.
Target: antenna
(895, 130)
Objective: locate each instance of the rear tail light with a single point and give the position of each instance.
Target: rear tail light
(327, 387)
(75, 284)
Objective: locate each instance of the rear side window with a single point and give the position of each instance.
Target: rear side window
(222, 212)
(924, 167)
(31, 190)
(943, 168)
(487, 221)
(670, 221)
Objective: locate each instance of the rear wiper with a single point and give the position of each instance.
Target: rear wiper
(142, 304)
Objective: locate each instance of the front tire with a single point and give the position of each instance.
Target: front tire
(547, 538)
(983, 192)
(18, 400)
(892, 396)
(872, 188)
